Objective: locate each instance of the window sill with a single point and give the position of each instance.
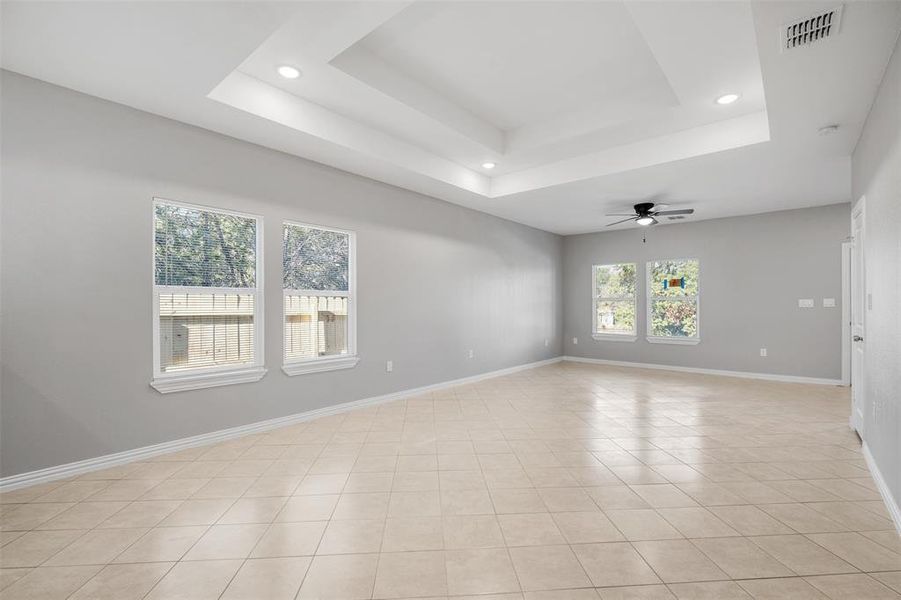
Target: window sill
(319, 365)
(674, 341)
(613, 337)
(196, 381)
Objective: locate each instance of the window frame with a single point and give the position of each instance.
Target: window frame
(595, 298)
(335, 362)
(650, 297)
(204, 377)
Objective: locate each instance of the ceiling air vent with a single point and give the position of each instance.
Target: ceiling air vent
(676, 218)
(812, 29)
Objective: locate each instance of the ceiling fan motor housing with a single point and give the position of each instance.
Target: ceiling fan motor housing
(644, 208)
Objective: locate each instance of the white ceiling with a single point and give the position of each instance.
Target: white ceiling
(511, 71)
(586, 107)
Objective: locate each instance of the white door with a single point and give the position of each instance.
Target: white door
(858, 318)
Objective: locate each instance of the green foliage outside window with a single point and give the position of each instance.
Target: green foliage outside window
(315, 259)
(200, 248)
(616, 298)
(616, 281)
(674, 310)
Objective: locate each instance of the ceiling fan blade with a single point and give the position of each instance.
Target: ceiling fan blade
(681, 211)
(632, 218)
(631, 214)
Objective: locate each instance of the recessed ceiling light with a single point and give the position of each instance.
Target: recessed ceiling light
(488, 165)
(289, 72)
(727, 98)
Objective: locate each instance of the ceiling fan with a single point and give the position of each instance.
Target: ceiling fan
(645, 213)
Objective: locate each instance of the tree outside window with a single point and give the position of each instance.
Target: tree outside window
(614, 299)
(673, 291)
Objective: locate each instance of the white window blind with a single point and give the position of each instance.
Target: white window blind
(674, 300)
(206, 298)
(319, 325)
(614, 301)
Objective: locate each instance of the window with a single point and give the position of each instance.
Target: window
(207, 303)
(614, 302)
(673, 316)
(319, 299)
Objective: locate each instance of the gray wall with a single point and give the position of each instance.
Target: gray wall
(753, 271)
(79, 173)
(876, 174)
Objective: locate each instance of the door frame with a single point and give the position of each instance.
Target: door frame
(858, 256)
(846, 312)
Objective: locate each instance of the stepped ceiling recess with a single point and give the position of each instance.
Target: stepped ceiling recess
(582, 108)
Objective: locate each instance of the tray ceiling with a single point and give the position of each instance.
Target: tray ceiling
(585, 107)
(551, 92)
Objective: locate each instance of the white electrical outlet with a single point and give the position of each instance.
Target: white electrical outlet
(763, 352)
(805, 303)
(575, 340)
(472, 354)
(389, 366)
(828, 302)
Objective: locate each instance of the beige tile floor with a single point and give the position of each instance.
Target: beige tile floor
(567, 482)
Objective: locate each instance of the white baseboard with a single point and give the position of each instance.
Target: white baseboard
(120, 458)
(891, 503)
(742, 374)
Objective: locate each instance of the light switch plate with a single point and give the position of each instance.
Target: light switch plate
(805, 303)
(828, 302)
